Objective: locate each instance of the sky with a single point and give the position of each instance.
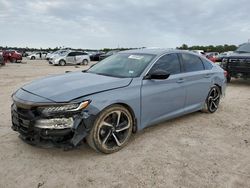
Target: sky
(96, 24)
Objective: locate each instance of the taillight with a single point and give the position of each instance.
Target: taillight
(225, 74)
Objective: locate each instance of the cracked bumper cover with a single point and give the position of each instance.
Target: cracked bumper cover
(23, 121)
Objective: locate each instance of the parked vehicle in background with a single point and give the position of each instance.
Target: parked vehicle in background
(237, 64)
(56, 53)
(26, 53)
(212, 56)
(12, 56)
(95, 56)
(70, 57)
(223, 55)
(110, 53)
(37, 55)
(2, 62)
(200, 52)
(116, 97)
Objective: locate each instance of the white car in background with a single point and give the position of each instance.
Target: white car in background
(70, 57)
(37, 55)
(200, 52)
(55, 53)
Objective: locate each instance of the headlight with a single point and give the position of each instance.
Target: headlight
(224, 60)
(56, 123)
(64, 108)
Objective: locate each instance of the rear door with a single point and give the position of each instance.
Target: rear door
(198, 80)
(162, 99)
(80, 57)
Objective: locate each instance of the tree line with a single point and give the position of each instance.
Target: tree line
(58, 48)
(210, 48)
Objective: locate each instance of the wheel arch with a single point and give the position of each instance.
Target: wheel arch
(132, 113)
(219, 87)
(62, 60)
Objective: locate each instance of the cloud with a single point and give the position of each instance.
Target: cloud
(127, 23)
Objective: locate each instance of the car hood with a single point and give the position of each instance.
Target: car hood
(69, 86)
(105, 55)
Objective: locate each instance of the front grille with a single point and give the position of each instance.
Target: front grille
(239, 65)
(22, 119)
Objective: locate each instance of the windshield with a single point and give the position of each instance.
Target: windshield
(110, 53)
(122, 65)
(62, 53)
(244, 48)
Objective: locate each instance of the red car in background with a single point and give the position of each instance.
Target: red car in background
(1, 59)
(12, 56)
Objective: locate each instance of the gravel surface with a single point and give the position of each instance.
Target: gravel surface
(197, 150)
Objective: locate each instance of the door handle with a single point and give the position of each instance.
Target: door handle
(181, 80)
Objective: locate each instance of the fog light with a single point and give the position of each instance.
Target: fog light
(56, 123)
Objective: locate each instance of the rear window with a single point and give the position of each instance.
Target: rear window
(207, 64)
(192, 62)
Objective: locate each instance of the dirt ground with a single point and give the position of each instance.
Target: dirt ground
(197, 150)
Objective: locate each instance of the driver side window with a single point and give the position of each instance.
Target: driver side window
(169, 63)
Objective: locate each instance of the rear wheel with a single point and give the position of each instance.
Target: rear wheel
(112, 130)
(62, 63)
(85, 62)
(213, 100)
(33, 58)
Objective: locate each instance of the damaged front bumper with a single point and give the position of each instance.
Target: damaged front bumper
(37, 129)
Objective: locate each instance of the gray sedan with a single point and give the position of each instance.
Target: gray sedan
(118, 96)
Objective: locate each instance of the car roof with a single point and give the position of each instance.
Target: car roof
(157, 52)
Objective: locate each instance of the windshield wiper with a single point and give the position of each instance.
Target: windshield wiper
(104, 74)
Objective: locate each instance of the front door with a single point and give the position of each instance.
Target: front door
(70, 58)
(163, 99)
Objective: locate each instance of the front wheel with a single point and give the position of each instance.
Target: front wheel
(13, 60)
(62, 63)
(112, 130)
(213, 100)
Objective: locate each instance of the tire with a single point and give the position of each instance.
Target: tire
(213, 100)
(13, 60)
(111, 133)
(228, 79)
(33, 58)
(62, 62)
(85, 62)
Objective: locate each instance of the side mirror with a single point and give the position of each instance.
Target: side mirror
(158, 74)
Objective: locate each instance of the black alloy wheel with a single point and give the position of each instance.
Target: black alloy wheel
(112, 130)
